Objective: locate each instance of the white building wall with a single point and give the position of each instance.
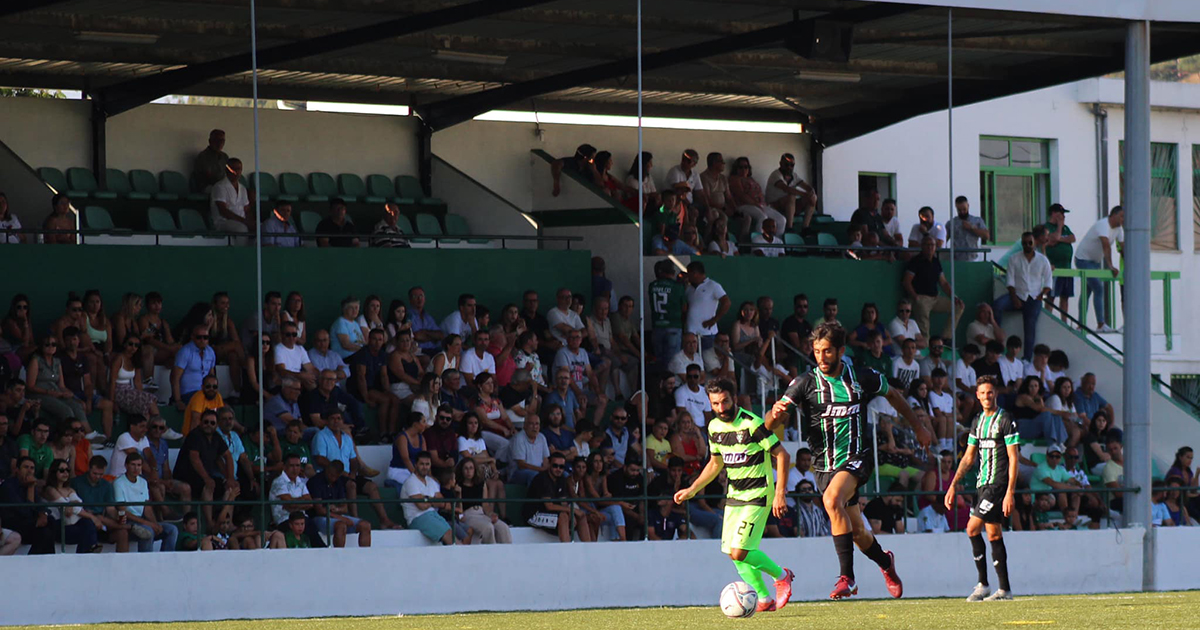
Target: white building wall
(916, 151)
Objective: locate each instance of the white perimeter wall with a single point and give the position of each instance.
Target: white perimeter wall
(356, 582)
(167, 137)
(916, 151)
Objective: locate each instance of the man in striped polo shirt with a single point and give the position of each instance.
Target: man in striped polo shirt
(995, 439)
(740, 443)
(831, 402)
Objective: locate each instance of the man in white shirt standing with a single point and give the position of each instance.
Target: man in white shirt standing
(891, 222)
(785, 188)
(707, 304)
(1029, 281)
(230, 202)
(966, 231)
(291, 359)
(1095, 252)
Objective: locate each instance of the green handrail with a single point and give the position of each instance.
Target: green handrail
(1105, 275)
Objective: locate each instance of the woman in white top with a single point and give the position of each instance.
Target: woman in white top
(472, 445)
(293, 311)
(720, 244)
(1062, 402)
(81, 524)
(497, 428)
(447, 359)
(125, 381)
(429, 396)
(372, 316)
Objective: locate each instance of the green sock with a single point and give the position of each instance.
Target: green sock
(753, 577)
(764, 563)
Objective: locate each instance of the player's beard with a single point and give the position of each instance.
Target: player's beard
(728, 414)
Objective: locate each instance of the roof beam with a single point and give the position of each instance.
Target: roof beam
(461, 109)
(1002, 42)
(13, 7)
(123, 97)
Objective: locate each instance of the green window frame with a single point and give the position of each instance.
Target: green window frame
(1164, 194)
(1015, 185)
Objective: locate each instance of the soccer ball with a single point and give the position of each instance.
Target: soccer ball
(738, 600)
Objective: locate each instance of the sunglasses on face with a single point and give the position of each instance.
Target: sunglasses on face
(210, 387)
(620, 417)
(210, 423)
(447, 418)
(290, 335)
(557, 466)
(62, 469)
(199, 336)
(904, 310)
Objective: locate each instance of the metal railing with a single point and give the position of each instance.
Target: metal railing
(847, 249)
(236, 239)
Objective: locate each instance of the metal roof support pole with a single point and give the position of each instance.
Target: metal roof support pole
(1136, 408)
(425, 156)
(99, 143)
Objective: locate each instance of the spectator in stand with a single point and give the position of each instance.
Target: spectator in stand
(886, 513)
(619, 438)
(922, 278)
(292, 485)
(398, 324)
(934, 517)
(1088, 401)
(964, 373)
(8, 448)
(692, 398)
(224, 339)
(811, 519)
(36, 445)
(194, 361)
(30, 522)
(133, 441)
(452, 392)
(564, 396)
(441, 440)
(795, 328)
(1095, 252)
(1182, 469)
(748, 195)
(1012, 367)
(132, 488)
(78, 377)
(404, 451)
(237, 451)
(611, 185)
(471, 445)
(337, 229)
(46, 384)
(716, 185)
(450, 356)
(648, 191)
(519, 398)
(767, 240)
(718, 360)
(905, 368)
(904, 328)
(787, 192)
(829, 311)
(926, 226)
(966, 231)
(264, 322)
(284, 408)
(1051, 475)
(162, 481)
(230, 203)
(1059, 248)
(334, 518)
(387, 233)
(422, 514)
(989, 365)
(1057, 364)
(690, 354)
(477, 513)
(869, 321)
(291, 359)
(204, 461)
(668, 303)
(875, 358)
(126, 385)
(372, 386)
(552, 515)
(61, 222)
(891, 222)
(562, 319)
(155, 333)
(426, 330)
(332, 443)
(582, 163)
(867, 215)
(462, 322)
(529, 452)
(372, 316)
(707, 304)
(92, 488)
(984, 327)
(17, 342)
(670, 519)
(934, 359)
(595, 486)
(586, 382)
(209, 166)
(207, 398)
(1029, 282)
(291, 533)
(627, 482)
(326, 395)
(9, 223)
(478, 360)
(685, 179)
(279, 227)
(1035, 420)
(1114, 471)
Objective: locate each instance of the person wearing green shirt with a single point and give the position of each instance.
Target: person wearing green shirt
(1051, 475)
(292, 443)
(668, 303)
(1059, 248)
(874, 357)
(293, 536)
(36, 445)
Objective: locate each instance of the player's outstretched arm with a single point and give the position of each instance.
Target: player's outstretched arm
(710, 472)
(923, 430)
(968, 459)
(783, 464)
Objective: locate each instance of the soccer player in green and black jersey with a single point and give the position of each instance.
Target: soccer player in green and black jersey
(995, 439)
(740, 443)
(831, 402)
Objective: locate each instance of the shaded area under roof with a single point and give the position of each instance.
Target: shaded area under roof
(120, 51)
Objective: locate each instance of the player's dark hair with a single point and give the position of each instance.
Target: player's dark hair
(987, 379)
(834, 334)
(721, 385)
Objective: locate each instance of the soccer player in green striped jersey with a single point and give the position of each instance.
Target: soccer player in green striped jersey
(741, 444)
(994, 438)
(831, 402)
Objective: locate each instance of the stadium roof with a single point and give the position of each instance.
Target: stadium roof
(454, 59)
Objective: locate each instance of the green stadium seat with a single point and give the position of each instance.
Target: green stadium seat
(456, 224)
(97, 218)
(116, 181)
(322, 184)
(270, 188)
(351, 186)
(82, 183)
(826, 239)
(823, 218)
(175, 183)
(791, 238)
(144, 182)
(160, 220)
(380, 187)
(408, 187)
(192, 221)
(405, 225)
(309, 221)
(293, 184)
(428, 225)
(54, 178)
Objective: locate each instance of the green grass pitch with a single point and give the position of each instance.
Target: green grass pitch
(1090, 612)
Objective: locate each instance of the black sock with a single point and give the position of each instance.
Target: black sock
(878, 555)
(979, 550)
(1000, 559)
(844, 544)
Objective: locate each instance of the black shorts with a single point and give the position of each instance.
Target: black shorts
(860, 466)
(989, 503)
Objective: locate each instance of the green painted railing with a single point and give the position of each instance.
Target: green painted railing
(1105, 275)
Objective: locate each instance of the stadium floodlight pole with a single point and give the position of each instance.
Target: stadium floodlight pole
(641, 226)
(257, 237)
(950, 189)
(1136, 407)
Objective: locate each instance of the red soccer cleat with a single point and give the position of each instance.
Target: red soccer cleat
(844, 588)
(894, 585)
(783, 588)
(765, 605)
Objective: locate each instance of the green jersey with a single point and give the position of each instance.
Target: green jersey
(1059, 254)
(992, 434)
(744, 444)
(667, 299)
(300, 449)
(832, 412)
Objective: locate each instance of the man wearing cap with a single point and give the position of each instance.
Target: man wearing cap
(965, 231)
(1052, 475)
(1059, 248)
(784, 188)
